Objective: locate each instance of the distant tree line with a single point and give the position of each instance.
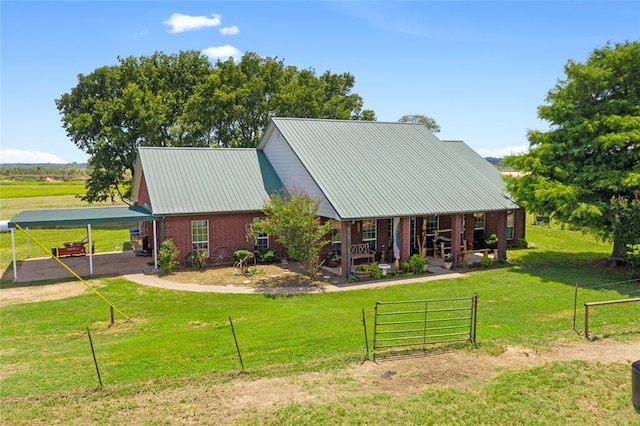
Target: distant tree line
(65, 172)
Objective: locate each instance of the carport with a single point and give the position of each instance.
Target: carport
(87, 216)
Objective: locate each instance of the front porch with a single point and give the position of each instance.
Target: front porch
(435, 264)
(459, 237)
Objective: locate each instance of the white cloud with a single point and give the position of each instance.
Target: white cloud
(10, 156)
(179, 22)
(223, 52)
(502, 152)
(233, 30)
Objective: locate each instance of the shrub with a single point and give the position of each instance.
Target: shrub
(376, 273)
(266, 255)
(168, 255)
(521, 244)
(491, 240)
(241, 254)
(197, 259)
(485, 262)
(415, 264)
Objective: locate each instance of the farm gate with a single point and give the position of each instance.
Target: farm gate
(412, 325)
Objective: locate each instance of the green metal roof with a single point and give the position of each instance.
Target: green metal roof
(79, 216)
(207, 180)
(480, 164)
(371, 169)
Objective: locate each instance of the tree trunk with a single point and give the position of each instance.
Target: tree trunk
(619, 249)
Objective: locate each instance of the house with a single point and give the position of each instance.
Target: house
(393, 189)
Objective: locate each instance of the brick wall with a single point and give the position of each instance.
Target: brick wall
(225, 230)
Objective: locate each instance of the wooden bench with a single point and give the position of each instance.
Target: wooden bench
(362, 251)
(464, 253)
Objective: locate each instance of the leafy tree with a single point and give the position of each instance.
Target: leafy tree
(298, 228)
(183, 100)
(141, 101)
(237, 101)
(585, 170)
(427, 122)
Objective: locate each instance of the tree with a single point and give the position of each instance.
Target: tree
(183, 100)
(427, 122)
(141, 101)
(293, 219)
(585, 170)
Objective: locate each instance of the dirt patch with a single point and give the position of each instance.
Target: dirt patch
(277, 275)
(9, 296)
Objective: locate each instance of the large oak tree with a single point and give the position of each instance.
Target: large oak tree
(585, 169)
(184, 100)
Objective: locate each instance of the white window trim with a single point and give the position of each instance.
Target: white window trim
(200, 242)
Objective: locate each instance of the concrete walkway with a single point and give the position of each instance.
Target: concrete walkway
(436, 273)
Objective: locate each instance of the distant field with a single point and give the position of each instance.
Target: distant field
(20, 189)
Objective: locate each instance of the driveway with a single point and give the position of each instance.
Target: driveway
(109, 264)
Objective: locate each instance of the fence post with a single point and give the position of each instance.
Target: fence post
(366, 337)
(95, 360)
(586, 320)
(236, 340)
(375, 329)
(475, 318)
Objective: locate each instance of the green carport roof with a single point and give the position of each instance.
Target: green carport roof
(80, 216)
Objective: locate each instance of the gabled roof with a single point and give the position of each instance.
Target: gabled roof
(206, 180)
(369, 169)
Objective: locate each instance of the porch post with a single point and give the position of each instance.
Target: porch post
(502, 235)
(405, 238)
(396, 241)
(345, 247)
(456, 229)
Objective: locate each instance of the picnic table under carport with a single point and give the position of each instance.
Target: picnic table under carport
(87, 216)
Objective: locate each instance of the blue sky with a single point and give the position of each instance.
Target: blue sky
(479, 68)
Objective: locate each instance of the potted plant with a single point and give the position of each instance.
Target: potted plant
(447, 261)
(333, 259)
(363, 271)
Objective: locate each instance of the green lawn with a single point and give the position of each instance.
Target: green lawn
(181, 339)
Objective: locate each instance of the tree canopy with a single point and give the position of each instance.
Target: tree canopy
(428, 122)
(585, 169)
(184, 100)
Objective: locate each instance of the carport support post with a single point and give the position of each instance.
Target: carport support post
(13, 253)
(90, 250)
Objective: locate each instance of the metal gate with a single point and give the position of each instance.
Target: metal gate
(412, 325)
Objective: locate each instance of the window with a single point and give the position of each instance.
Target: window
(510, 221)
(433, 224)
(200, 235)
(478, 222)
(369, 233)
(336, 238)
(261, 241)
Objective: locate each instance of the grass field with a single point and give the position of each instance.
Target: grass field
(18, 196)
(175, 362)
